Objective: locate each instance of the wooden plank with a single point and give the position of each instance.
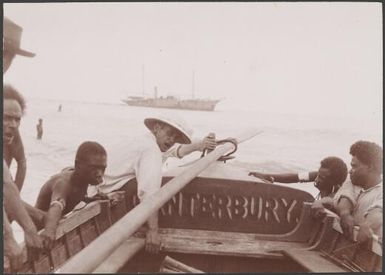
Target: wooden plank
(237, 206)
(312, 261)
(74, 219)
(88, 231)
(118, 211)
(220, 235)
(43, 265)
(74, 242)
(103, 219)
(59, 253)
(121, 255)
(223, 243)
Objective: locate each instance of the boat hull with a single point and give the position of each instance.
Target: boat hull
(190, 104)
(216, 223)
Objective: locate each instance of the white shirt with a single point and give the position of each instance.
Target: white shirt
(139, 157)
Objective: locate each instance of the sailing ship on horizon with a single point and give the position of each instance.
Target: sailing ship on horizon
(172, 102)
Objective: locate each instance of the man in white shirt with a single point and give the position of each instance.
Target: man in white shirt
(142, 157)
(360, 202)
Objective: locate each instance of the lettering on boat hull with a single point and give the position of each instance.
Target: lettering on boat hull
(237, 206)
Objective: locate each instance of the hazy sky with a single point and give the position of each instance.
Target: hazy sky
(305, 58)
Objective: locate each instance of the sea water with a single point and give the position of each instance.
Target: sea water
(289, 142)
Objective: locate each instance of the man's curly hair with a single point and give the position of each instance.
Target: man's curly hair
(337, 168)
(368, 153)
(11, 93)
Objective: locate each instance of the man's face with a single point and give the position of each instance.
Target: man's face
(323, 180)
(92, 168)
(8, 57)
(166, 136)
(11, 119)
(359, 172)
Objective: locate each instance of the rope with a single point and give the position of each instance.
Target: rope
(222, 141)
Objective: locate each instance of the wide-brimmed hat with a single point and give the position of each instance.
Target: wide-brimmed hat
(12, 38)
(175, 122)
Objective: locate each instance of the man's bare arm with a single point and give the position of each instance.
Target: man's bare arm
(19, 156)
(53, 217)
(13, 203)
(11, 248)
(344, 210)
(57, 204)
(20, 173)
(15, 209)
(284, 177)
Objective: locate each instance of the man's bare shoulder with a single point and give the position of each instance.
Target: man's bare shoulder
(62, 178)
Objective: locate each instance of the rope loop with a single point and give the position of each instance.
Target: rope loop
(222, 141)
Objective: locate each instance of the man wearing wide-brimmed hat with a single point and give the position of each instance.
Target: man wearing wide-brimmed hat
(11, 43)
(143, 157)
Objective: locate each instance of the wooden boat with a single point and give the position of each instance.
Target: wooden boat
(222, 221)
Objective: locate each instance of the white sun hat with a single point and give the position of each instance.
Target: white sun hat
(176, 122)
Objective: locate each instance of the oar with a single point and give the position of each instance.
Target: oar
(99, 249)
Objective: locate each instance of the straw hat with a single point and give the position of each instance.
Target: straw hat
(177, 123)
(12, 37)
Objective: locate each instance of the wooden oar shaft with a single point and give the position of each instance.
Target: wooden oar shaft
(98, 250)
(174, 264)
(121, 255)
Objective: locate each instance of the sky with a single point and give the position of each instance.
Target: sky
(302, 58)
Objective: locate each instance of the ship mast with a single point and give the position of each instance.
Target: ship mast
(193, 86)
(143, 80)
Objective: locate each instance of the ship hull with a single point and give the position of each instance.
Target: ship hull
(189, 104)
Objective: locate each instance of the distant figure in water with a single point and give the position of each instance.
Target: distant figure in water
(59, 109)
(39, 129)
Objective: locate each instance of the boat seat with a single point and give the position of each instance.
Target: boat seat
(191, 241)
(223, 243)
(312, 260)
